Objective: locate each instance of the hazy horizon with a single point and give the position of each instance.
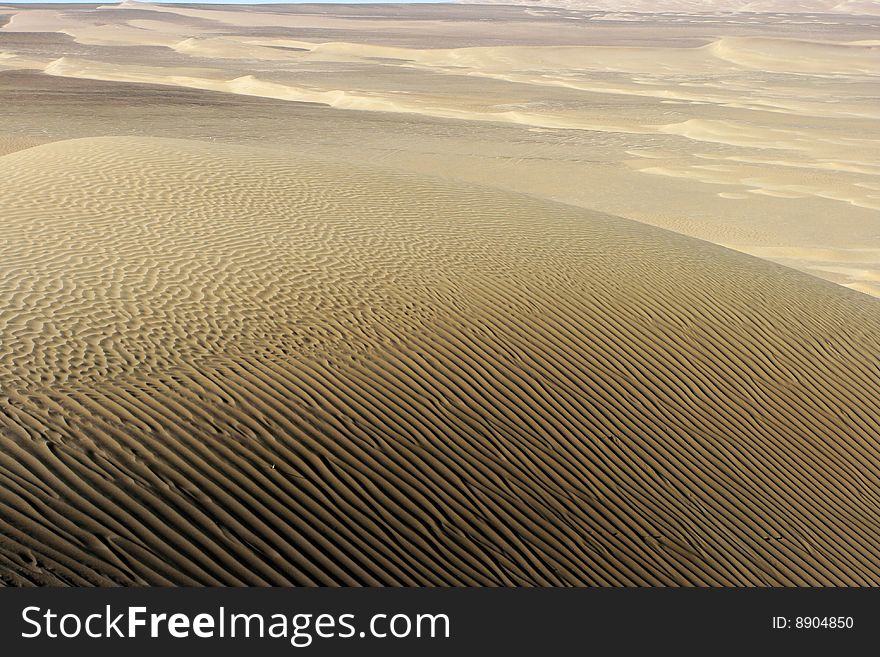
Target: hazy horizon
(641, 7)
(233, 2)
(852, 7)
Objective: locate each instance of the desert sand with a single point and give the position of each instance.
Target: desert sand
(744, 129)
(381, 296)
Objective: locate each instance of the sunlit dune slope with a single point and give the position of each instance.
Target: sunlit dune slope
(225, 366)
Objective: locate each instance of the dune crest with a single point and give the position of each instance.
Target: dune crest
(795, 56)
(227, 365)
(751, 108)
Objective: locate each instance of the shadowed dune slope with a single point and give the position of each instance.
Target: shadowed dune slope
(220, 365)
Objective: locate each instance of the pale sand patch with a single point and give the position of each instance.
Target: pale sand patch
(620, 9)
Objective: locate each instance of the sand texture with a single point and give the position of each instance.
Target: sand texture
(224, 366)
(712, 119)
(438, 295)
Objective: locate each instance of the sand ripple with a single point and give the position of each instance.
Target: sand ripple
(225, 366)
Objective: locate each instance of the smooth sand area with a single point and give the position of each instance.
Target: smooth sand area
(377, 295)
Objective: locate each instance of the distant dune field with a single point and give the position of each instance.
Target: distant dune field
(439, 295)
(225, 366)
(743, 123)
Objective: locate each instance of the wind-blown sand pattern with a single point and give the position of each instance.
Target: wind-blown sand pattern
(222, 366)
(367, 296)
(744, 129)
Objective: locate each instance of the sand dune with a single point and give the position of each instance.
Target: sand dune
(227, 365)
(241, 346)
(250, 85)
(853, 268)
(782, 113)
(804, 57)
(12, 143)
(711, 7)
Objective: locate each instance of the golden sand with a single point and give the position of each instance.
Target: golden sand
(278, 307)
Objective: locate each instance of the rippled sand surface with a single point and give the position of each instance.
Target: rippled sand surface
(369, 295)
(758, 131)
